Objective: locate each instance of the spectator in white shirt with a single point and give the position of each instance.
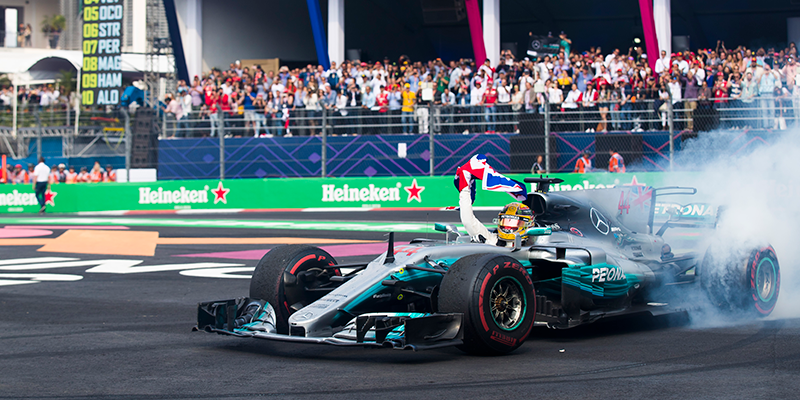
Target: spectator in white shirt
(571, 102)
(663, 63)
(175, 108)
(40, 179)
(475, 98)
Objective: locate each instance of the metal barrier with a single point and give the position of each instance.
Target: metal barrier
(646, 132)
(98, 134)
(602, 116)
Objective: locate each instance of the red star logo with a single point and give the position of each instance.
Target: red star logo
(220, 193)
(414, 191)
(49, 198)
(634, 182)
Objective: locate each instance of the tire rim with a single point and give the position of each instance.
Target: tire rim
(765, 279)
(507, 301)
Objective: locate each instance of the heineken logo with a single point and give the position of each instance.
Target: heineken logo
(371, 193)
(15, 198)
(182, 195)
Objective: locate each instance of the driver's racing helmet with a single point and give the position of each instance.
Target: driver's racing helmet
(515, 218)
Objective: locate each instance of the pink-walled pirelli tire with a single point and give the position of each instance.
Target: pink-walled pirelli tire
(284, 276)
(496, 296)
(748, 282)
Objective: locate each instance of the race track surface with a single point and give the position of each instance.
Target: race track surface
(102, 307)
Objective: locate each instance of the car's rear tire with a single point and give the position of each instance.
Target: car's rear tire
(748, 282)
(496, 296)
(284, 275)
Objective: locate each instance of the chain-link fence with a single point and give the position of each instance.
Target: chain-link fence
(645, 132)
(57, 131)
(430, 139)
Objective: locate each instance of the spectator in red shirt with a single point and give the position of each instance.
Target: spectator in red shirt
(489, 103)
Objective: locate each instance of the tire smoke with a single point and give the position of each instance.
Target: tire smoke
(755, 176)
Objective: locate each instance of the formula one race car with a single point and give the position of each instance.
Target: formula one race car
(591, 255)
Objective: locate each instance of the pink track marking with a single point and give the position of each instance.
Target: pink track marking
(103, 228)
(23, 233)
(338, 250)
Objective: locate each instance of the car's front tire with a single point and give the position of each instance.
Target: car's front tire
(496, 296)
(284, 276)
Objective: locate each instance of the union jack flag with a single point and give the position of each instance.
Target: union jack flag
(478, 168)
(639, 197)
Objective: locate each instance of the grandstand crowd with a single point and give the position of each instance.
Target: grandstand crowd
(15, 174)
(593, 81)
(608, 89)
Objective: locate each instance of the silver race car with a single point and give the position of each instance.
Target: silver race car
(590, 254)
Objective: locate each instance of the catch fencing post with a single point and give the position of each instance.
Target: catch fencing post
(547, 133)
(431, 164)
(431, 130)
(221, 133)
(324, 150)
(670, 120)
(38, 134)
(128, 138)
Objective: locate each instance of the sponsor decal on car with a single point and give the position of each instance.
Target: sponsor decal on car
(605, 274)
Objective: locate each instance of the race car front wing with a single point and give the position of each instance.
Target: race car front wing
(245, 317)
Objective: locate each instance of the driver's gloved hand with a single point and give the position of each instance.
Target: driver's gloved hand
(478, 239)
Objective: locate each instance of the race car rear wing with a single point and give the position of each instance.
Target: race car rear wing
(666, 191)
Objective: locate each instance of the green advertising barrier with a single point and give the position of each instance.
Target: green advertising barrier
(301, 193)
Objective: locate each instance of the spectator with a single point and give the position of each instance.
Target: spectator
(109, 175)
(565, 43)
(663, 63)
(41, 183)
(476, 100)
(409, 99)
(603, 104)
(489, 103)
(18, 175)
(588, 100)
(615, 162)
(30, 175)
(690, 94)
(174, 111)
(62, 173)
(97, 173)
(54, 176)
(71, 175)
(538, 166)
(83, 176)
(584, 164)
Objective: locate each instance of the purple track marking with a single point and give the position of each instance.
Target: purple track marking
(338, 250)
(102, 228)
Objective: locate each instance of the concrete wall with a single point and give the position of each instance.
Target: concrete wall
(239, 29)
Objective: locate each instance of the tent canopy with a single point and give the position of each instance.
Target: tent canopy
(26, 65)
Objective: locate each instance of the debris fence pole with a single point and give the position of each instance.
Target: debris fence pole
(431, 163)
(128, 138)
(221, 133)
(671, 122)
(324, 150)
(547, 133)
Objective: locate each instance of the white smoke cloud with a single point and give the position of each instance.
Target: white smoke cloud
(758, 181)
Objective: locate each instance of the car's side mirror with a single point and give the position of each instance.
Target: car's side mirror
(449, 228)
(674, 213)
(538, 232)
